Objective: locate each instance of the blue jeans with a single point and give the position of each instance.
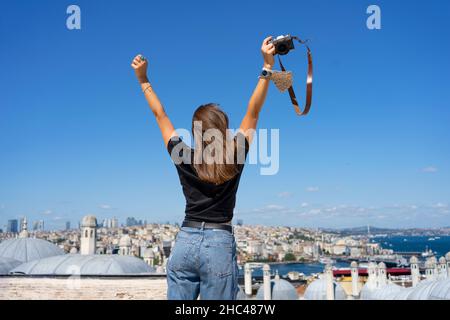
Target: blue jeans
(203, 262)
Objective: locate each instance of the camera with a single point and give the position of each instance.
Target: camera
(283, 44)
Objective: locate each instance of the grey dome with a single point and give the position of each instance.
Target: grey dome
(85, 265)
(28, 249)
(148, 253)
(7, 264)
(317, 290)
(441, 291)
(89, 221)
(386, 292)
(413, 260)
(354, 264)
(281, 290)
(241, 295)
(125, 241)
(442, 260)
(422, 290)
(447, 256)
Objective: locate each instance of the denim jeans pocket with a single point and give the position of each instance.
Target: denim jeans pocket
(179, 256)
(221, 252)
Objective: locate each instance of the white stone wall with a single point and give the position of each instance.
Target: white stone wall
(19, 288)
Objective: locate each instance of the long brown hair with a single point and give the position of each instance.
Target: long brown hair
(210, 117)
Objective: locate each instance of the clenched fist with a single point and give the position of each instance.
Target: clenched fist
(139, 65)
(268, 51)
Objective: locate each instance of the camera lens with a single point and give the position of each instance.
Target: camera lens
(282, 49)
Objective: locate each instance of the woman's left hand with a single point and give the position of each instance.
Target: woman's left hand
(139, 65)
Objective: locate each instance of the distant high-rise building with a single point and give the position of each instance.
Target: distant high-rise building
(67, 225)
(12, 226)
(114, 223)
(35, 225)
(240, 222)
(40, 225)
(21, 221)
(132, 222)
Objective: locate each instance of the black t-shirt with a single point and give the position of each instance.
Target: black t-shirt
(206, 201)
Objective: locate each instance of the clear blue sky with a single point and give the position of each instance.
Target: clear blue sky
(76, 136)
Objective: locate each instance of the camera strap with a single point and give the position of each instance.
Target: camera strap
(309, 82)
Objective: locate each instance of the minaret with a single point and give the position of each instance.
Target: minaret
(125, 245)
(447, 258)
(266, 282)
(429, 269)
(382, 277)
(355, 279)
(248, 279)
(329, 278)
(24, 227)
(434, 263)
(442, 268)
(415, 272)
(372, 276)
(88, 235)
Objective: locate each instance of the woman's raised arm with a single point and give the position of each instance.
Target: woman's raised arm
(258, 97)
(139, 65)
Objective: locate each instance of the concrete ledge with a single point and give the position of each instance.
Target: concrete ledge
(73, 288)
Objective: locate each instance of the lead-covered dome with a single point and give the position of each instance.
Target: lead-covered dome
(125, 241)
(28, 249)
(317, 290)
(95, 265)
(281, 290)
(7, 264)
(89, 221)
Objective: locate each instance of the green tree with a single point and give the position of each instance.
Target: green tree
(289, 257)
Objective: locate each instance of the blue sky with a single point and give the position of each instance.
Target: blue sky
(76, 136)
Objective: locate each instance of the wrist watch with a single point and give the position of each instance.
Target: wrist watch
(265, 74)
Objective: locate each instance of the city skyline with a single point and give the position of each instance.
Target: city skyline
(80, 139)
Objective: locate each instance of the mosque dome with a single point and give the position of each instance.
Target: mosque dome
(281, 290)
(148, 253)
(354, 264)
(386, 292)
(125, 241)
(428, 264)
(447, 256)
(441, 291)
(241, 295)
(89, 221)
(422, 290)
(7, 264)
(442, 260)
(433, 260)
(366, 292)
(28, 249)
(97, 265)
(413, 260)
(317, 290)
(382, 265)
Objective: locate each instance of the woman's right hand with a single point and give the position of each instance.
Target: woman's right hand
(139, 65)
(268, 51)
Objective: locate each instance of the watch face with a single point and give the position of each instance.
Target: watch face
(264, 73)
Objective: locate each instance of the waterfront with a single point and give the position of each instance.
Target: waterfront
(441, 245)
(283, 268)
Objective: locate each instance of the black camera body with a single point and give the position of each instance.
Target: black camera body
(283, 44)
